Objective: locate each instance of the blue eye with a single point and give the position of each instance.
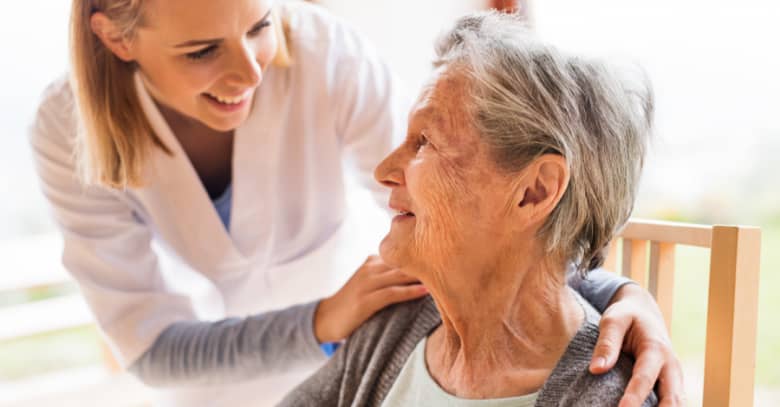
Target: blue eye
(203, 53)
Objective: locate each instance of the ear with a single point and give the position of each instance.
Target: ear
(111, 37)
(545, 182)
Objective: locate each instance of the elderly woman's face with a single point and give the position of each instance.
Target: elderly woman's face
(451, 198)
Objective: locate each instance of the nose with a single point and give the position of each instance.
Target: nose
(390, 172)
(245, 69)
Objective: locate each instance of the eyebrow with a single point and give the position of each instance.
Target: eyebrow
(436, 117)
(210, 41)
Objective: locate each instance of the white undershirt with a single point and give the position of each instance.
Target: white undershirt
(415, 387)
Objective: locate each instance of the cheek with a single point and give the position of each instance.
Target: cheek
(445, 206)
(178, 82)
(196, 79)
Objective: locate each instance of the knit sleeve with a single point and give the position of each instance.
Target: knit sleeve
(365, 367)
(324, 387)
(197, 353)
(603, 390)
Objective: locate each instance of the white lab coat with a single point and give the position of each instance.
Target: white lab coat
(289, 239)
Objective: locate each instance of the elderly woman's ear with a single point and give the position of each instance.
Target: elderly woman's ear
(541, 186)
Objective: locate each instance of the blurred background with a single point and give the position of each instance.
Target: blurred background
(716, 71)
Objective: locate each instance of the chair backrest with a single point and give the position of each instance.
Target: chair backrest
(732, 305)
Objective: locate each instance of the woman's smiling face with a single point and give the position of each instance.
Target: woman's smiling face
(451, 197)
(204, 58)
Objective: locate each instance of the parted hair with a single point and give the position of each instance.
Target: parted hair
(115, 136)
(528, 99)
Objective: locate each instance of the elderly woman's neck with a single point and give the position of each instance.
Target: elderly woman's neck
(503, 329)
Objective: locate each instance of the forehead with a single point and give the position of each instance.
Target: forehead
(442, 105)
(182, 20)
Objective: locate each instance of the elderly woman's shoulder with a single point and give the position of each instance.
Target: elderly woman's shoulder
(602, 390)
(572, 384)
(408, 319)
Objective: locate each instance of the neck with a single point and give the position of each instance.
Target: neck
(504, 332)
(209, 151)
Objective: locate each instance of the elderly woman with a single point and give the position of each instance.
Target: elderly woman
(519, 166)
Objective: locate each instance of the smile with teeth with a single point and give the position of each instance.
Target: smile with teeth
(229, 100)
(405, 213)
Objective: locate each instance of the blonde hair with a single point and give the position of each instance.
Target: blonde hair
(115, 136)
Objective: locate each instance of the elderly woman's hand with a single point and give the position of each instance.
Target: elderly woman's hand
(634, 321)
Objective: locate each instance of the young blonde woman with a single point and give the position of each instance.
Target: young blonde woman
(214, 133)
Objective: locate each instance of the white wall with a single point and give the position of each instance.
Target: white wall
(403, 31)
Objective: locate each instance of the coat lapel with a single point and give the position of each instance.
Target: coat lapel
(256, 156)
(179, 205)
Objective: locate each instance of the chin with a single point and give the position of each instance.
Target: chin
(225, 125)
(390, 252)
(396, 249)
(222, 127)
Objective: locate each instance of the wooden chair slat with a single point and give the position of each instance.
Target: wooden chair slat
(635, 260)
(661, 278)
(610, 263)
(732, 313)
(671, 232)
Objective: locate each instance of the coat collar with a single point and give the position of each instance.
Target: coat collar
(177, 201)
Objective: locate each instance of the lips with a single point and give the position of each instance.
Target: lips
(401, 208)
(229, 100)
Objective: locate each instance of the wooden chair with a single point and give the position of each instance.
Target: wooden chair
(732, 306)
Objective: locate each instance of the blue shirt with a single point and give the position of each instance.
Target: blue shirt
(223, 203)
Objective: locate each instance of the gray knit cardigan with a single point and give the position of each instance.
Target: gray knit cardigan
(364, 369)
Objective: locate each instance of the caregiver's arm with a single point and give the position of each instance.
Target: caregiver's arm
(632, 321)
(599, 287)
(195, 353)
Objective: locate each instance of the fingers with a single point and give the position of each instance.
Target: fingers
(372, 287)
(671, 389)
(612, 332)
(373, 264)
(393, 277)
(395, 294)
(646, 371)
(375, 275)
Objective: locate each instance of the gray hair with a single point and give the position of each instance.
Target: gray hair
(528, 99)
